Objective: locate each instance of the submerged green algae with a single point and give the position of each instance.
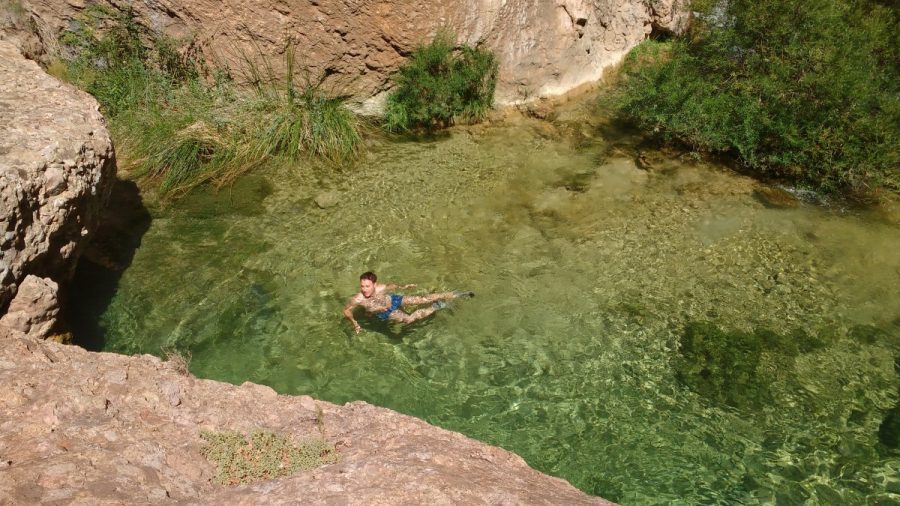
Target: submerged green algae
(588, 270)
(737, 368)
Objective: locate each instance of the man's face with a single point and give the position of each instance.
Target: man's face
(367, 287)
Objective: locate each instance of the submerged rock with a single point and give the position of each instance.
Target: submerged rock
(327, 199)
(889, 430)
(889, 212)
(540, 109)
(775, 198)
(726, 366)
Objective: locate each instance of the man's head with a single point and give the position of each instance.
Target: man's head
(367, 283)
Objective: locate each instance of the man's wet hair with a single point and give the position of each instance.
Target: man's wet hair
(368, 275)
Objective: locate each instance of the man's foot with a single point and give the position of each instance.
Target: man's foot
(463, 294)
(439, 305)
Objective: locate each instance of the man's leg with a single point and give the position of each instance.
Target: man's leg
(431, 298)
(417, 300)
(400, 316)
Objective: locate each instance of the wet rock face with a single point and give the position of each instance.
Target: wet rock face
(56, 169)
(99, 428)
(544, 48)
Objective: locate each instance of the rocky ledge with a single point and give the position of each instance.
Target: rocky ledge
(79, 427)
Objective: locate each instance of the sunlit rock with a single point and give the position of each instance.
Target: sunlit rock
(56, 171)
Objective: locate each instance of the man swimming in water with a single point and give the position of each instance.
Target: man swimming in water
(374, 297)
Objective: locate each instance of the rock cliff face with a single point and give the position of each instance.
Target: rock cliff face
(544, 47)
(56, 169)
(99, 428)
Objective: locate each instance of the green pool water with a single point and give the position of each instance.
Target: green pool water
(589, 273)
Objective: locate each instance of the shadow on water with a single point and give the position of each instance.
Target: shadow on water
(391, 331)
(122, 225)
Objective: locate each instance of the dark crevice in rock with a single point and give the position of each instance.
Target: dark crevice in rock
(122, 225)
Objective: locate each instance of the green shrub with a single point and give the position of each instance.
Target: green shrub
(265, 455)
(437, 86)
(180, 124)
(807, 91)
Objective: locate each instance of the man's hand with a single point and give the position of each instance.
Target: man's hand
(348, 314)
(411, 285)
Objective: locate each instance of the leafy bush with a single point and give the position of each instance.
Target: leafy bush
(265, 455)
(806, 91)
(180, 124)
(437, 86)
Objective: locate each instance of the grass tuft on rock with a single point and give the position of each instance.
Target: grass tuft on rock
(263, 455)
(179, 123)
(178, 360)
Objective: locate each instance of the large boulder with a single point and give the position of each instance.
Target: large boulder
(544, 48)
(56, 169)
(33, 311)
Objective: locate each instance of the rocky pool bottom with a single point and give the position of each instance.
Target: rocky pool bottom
(652, 334)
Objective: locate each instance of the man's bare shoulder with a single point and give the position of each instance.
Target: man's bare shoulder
(356, 299)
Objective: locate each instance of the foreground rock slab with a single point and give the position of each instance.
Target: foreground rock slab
(78, 427)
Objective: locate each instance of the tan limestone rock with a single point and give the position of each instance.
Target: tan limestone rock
(56, 169)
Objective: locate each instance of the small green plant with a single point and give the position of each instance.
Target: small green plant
(439, 86)
(264, 455)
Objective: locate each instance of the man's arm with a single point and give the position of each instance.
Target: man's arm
(348, 313)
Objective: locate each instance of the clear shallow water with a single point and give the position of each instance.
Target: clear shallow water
(587, 271)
